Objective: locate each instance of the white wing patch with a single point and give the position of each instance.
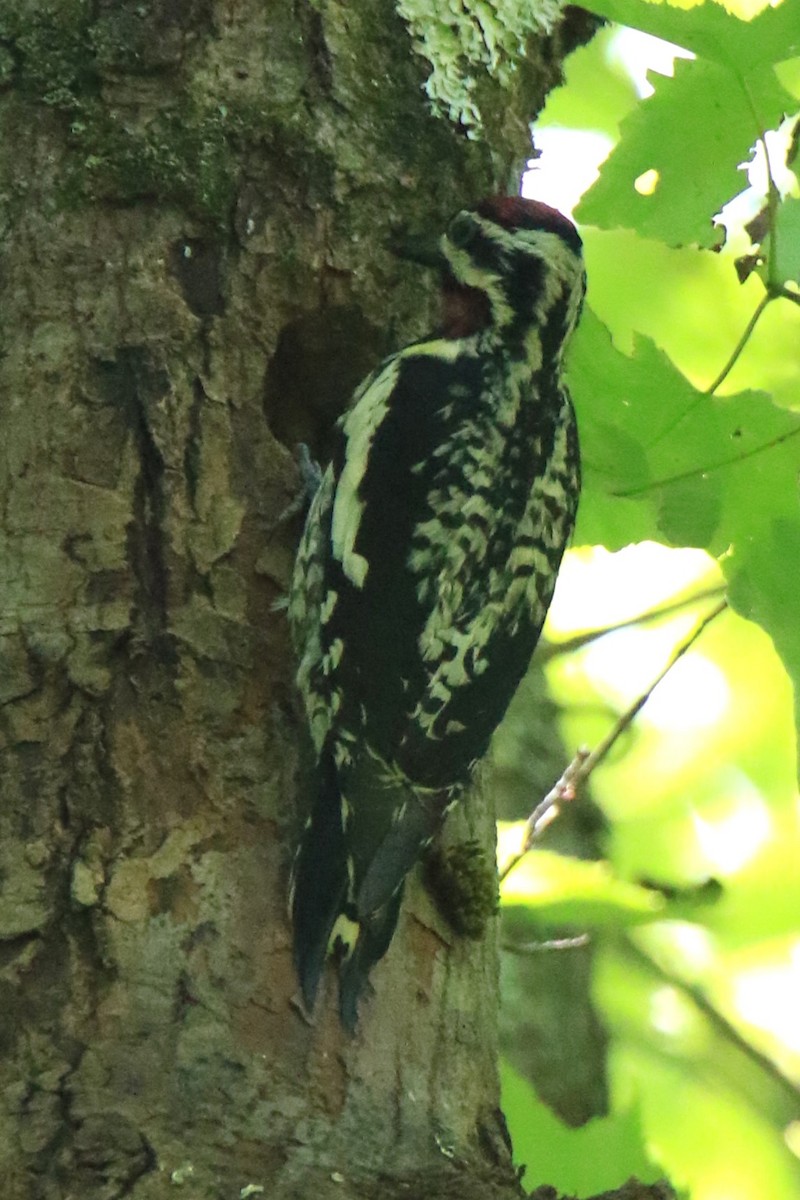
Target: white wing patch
(360, 423)
(359, 427)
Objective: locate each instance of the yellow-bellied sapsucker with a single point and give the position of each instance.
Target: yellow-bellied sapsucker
(425, 571)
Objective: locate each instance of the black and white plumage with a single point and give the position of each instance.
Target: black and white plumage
(425, 571)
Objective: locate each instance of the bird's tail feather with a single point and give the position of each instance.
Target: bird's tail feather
(398, 851)
(358, 913)
(375, 934)
(319, 886)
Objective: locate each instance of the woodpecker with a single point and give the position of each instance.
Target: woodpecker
(425, 570)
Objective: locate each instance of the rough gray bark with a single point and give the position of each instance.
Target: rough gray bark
(198, 202)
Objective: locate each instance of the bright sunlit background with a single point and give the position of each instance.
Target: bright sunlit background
(704, 1012)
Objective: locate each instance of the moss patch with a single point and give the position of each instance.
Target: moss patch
(181, 157)
(185, 155)
(463, 881)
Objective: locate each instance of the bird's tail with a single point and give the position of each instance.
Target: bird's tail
(348, 879)
(374, 935)
(325, 922)
(319, 886)
(380, 891)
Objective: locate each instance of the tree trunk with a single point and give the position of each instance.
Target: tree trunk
(198, 208)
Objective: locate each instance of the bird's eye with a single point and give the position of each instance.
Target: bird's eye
(462, 230)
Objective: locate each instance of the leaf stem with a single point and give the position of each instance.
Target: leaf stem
(740, 345)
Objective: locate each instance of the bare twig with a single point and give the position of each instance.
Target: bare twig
(600, 751)
(585, 761)
(548, 809)
(565, 943)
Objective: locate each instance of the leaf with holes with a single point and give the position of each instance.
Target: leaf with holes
(692, 133)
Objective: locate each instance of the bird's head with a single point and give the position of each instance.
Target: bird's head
(514, 264)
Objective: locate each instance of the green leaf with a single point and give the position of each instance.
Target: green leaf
(711, 31)
(762, 576)
(694, 132)
(785, 261)
(597, 93)
(693, 470)
(576, 1161)
(628, 409)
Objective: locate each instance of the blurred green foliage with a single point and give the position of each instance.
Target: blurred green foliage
(694, 912)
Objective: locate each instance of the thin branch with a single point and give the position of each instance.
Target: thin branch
(600, 751)
(585, 761)
(721, 1023)
(547, 810)
(579, 942)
